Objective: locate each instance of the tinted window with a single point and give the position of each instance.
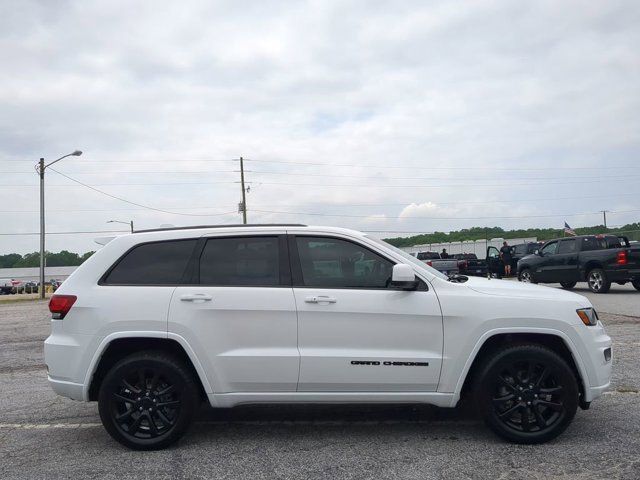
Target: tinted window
(240, 261)
(567, 246)
(520, 249)
(550, 248)
(428, 256)
(334, 263)
(159, 263)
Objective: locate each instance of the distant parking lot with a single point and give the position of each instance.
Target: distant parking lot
(46, 436)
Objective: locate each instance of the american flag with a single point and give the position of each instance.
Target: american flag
(568, 230)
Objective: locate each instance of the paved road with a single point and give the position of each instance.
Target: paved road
(45, 436)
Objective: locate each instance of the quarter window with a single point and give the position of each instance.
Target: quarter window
(240, 261)
(335, 263)
(158, 263)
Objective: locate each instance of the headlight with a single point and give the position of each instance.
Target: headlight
(588, 316)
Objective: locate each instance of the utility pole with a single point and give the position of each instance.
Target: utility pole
(244, 196)
(604, 215)
(41, 173)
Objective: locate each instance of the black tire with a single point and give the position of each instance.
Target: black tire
(568, 285)
(526, 393)
(636, 284)
(598, 281)
(134, 410)
(526, 276)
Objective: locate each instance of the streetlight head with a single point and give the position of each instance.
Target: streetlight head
(77, 153)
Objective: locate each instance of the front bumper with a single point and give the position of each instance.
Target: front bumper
(597, 357)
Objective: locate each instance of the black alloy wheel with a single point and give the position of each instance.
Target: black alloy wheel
(527, 393)
(636, 284)
(568, 285)
(147, 400)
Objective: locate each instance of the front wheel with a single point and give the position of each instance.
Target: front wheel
(527, 394)
(568, 285)
(598, 281)
(526, 276)
(147, 400)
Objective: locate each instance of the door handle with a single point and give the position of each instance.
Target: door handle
(196, 297)
(320, 299)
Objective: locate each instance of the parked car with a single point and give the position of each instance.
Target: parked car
(157, 321)
(448, 266)
(470, 264)
(6, 286)
(31, 287)
(495, 265)
(598, 260)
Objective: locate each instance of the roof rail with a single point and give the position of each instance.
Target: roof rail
(233, 225)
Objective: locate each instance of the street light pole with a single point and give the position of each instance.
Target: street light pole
(40, 168)
(41, 173)
(130, 223)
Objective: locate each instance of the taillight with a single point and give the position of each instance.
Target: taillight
(463, 264)
(59, 305)
(430, 263)
(622, 258)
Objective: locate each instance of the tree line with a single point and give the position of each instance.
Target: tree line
(631, 230)
(63, 258)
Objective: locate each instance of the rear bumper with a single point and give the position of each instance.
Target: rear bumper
(72, 390)
(623, 274)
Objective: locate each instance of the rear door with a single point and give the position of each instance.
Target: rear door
(356, 334)
(239, 314)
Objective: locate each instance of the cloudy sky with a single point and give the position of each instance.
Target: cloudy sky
(382, 116)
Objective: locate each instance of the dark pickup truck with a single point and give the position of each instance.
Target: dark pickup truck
(598, 260)
(495, 265)
(470, 264)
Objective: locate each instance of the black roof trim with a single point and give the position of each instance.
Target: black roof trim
(233, 225)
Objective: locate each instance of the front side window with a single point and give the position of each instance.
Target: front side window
(240, 261)
(158, 263)
(550, 248)
(336, 263)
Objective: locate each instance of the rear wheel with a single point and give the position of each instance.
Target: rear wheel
(568, 285)
(526, 276)
(527, 394)
(598, 281)
(636, 284)
(147, 400)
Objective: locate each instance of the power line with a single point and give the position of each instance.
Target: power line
(134, 203)
(65, 233)
(439, 218)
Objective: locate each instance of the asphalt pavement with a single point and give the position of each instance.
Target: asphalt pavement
(46, 436)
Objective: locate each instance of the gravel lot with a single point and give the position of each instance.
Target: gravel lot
(46, 436)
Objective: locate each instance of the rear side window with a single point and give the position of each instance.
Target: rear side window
(592, 243)
(241, 261)
(335, 263)
(158, 263)
(520, 249)
(567, 246)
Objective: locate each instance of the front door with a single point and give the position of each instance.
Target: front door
(494, 262)
(565, 262)
(355, 333)
(239, 314)
(543, 271)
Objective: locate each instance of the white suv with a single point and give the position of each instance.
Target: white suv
(159, 320)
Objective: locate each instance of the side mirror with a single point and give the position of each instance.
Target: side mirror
(403, 277)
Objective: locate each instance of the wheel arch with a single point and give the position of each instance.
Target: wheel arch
(590, 265)
(118, 345)
(555, 340)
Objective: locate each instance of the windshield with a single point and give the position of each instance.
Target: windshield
(410, 259)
